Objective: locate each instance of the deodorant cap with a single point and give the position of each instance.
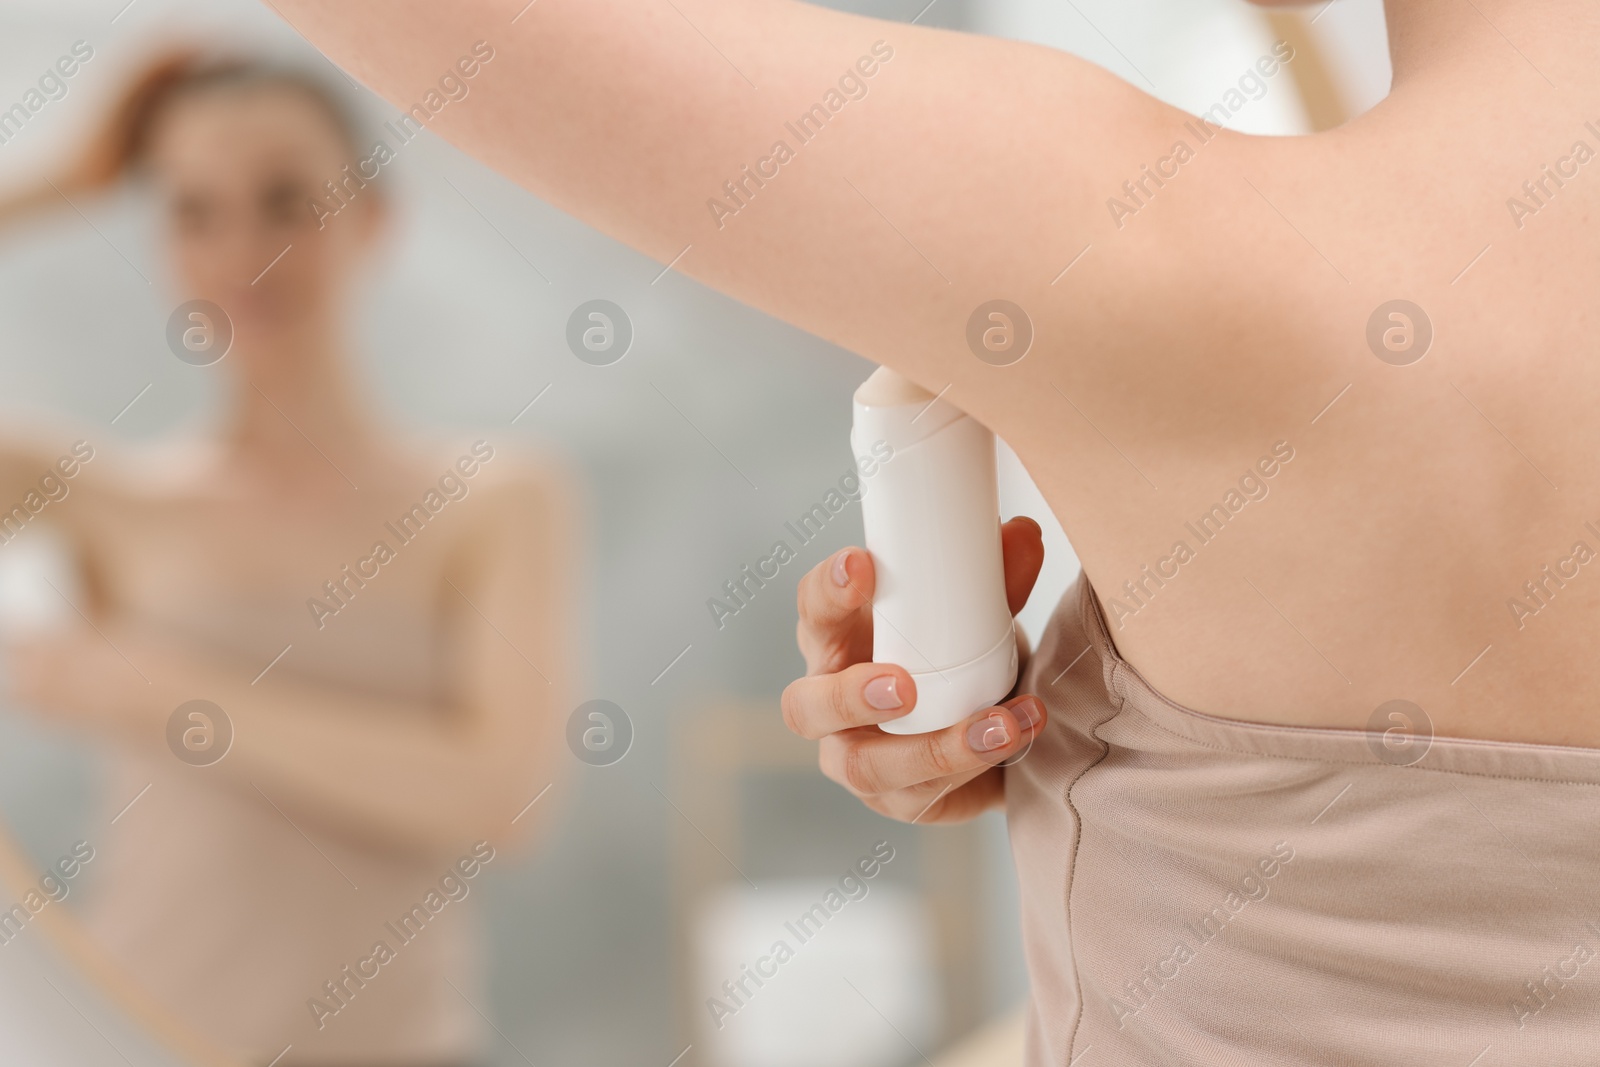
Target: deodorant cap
(900, 411)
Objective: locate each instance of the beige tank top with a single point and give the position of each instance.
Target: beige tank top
(1197, 890)
(234, 908)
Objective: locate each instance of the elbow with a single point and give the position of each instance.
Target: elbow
(507, 804)
(520, 810)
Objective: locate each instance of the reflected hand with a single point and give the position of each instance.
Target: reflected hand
(73, 677)
(113, 145)
(947, 776)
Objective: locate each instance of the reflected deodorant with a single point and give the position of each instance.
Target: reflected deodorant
(932, 516)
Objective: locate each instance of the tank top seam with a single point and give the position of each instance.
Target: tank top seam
(1115, 692)
(1072, 878)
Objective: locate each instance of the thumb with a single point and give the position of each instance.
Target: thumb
(1022, 547)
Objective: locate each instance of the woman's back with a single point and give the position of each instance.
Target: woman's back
(1390, 306)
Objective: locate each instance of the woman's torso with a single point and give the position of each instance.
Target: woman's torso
(234, 907)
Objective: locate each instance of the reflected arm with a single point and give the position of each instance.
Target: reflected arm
(413, 776)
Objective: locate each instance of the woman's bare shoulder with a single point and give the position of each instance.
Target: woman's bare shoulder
(519, 509)
(91, 462)
(527, 483)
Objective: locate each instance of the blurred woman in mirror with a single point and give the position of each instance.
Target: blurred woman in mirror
(376, 623)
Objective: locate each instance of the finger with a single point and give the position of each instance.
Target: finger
(863, 694)
(948, 803)
(834, 602)
(872, 762)
(1022, 546)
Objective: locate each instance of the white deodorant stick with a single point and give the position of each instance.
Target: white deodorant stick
(932, 515)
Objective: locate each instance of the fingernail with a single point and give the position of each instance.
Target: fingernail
(989, 733)
(883, 692)
(1033, 709)
(841, 577)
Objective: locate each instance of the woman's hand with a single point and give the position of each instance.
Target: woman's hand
(947, 776)
(114, 145)
(76, 678)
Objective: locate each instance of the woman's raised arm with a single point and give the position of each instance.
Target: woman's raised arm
(868, 181)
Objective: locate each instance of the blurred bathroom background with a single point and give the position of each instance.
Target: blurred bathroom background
(660, 874)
